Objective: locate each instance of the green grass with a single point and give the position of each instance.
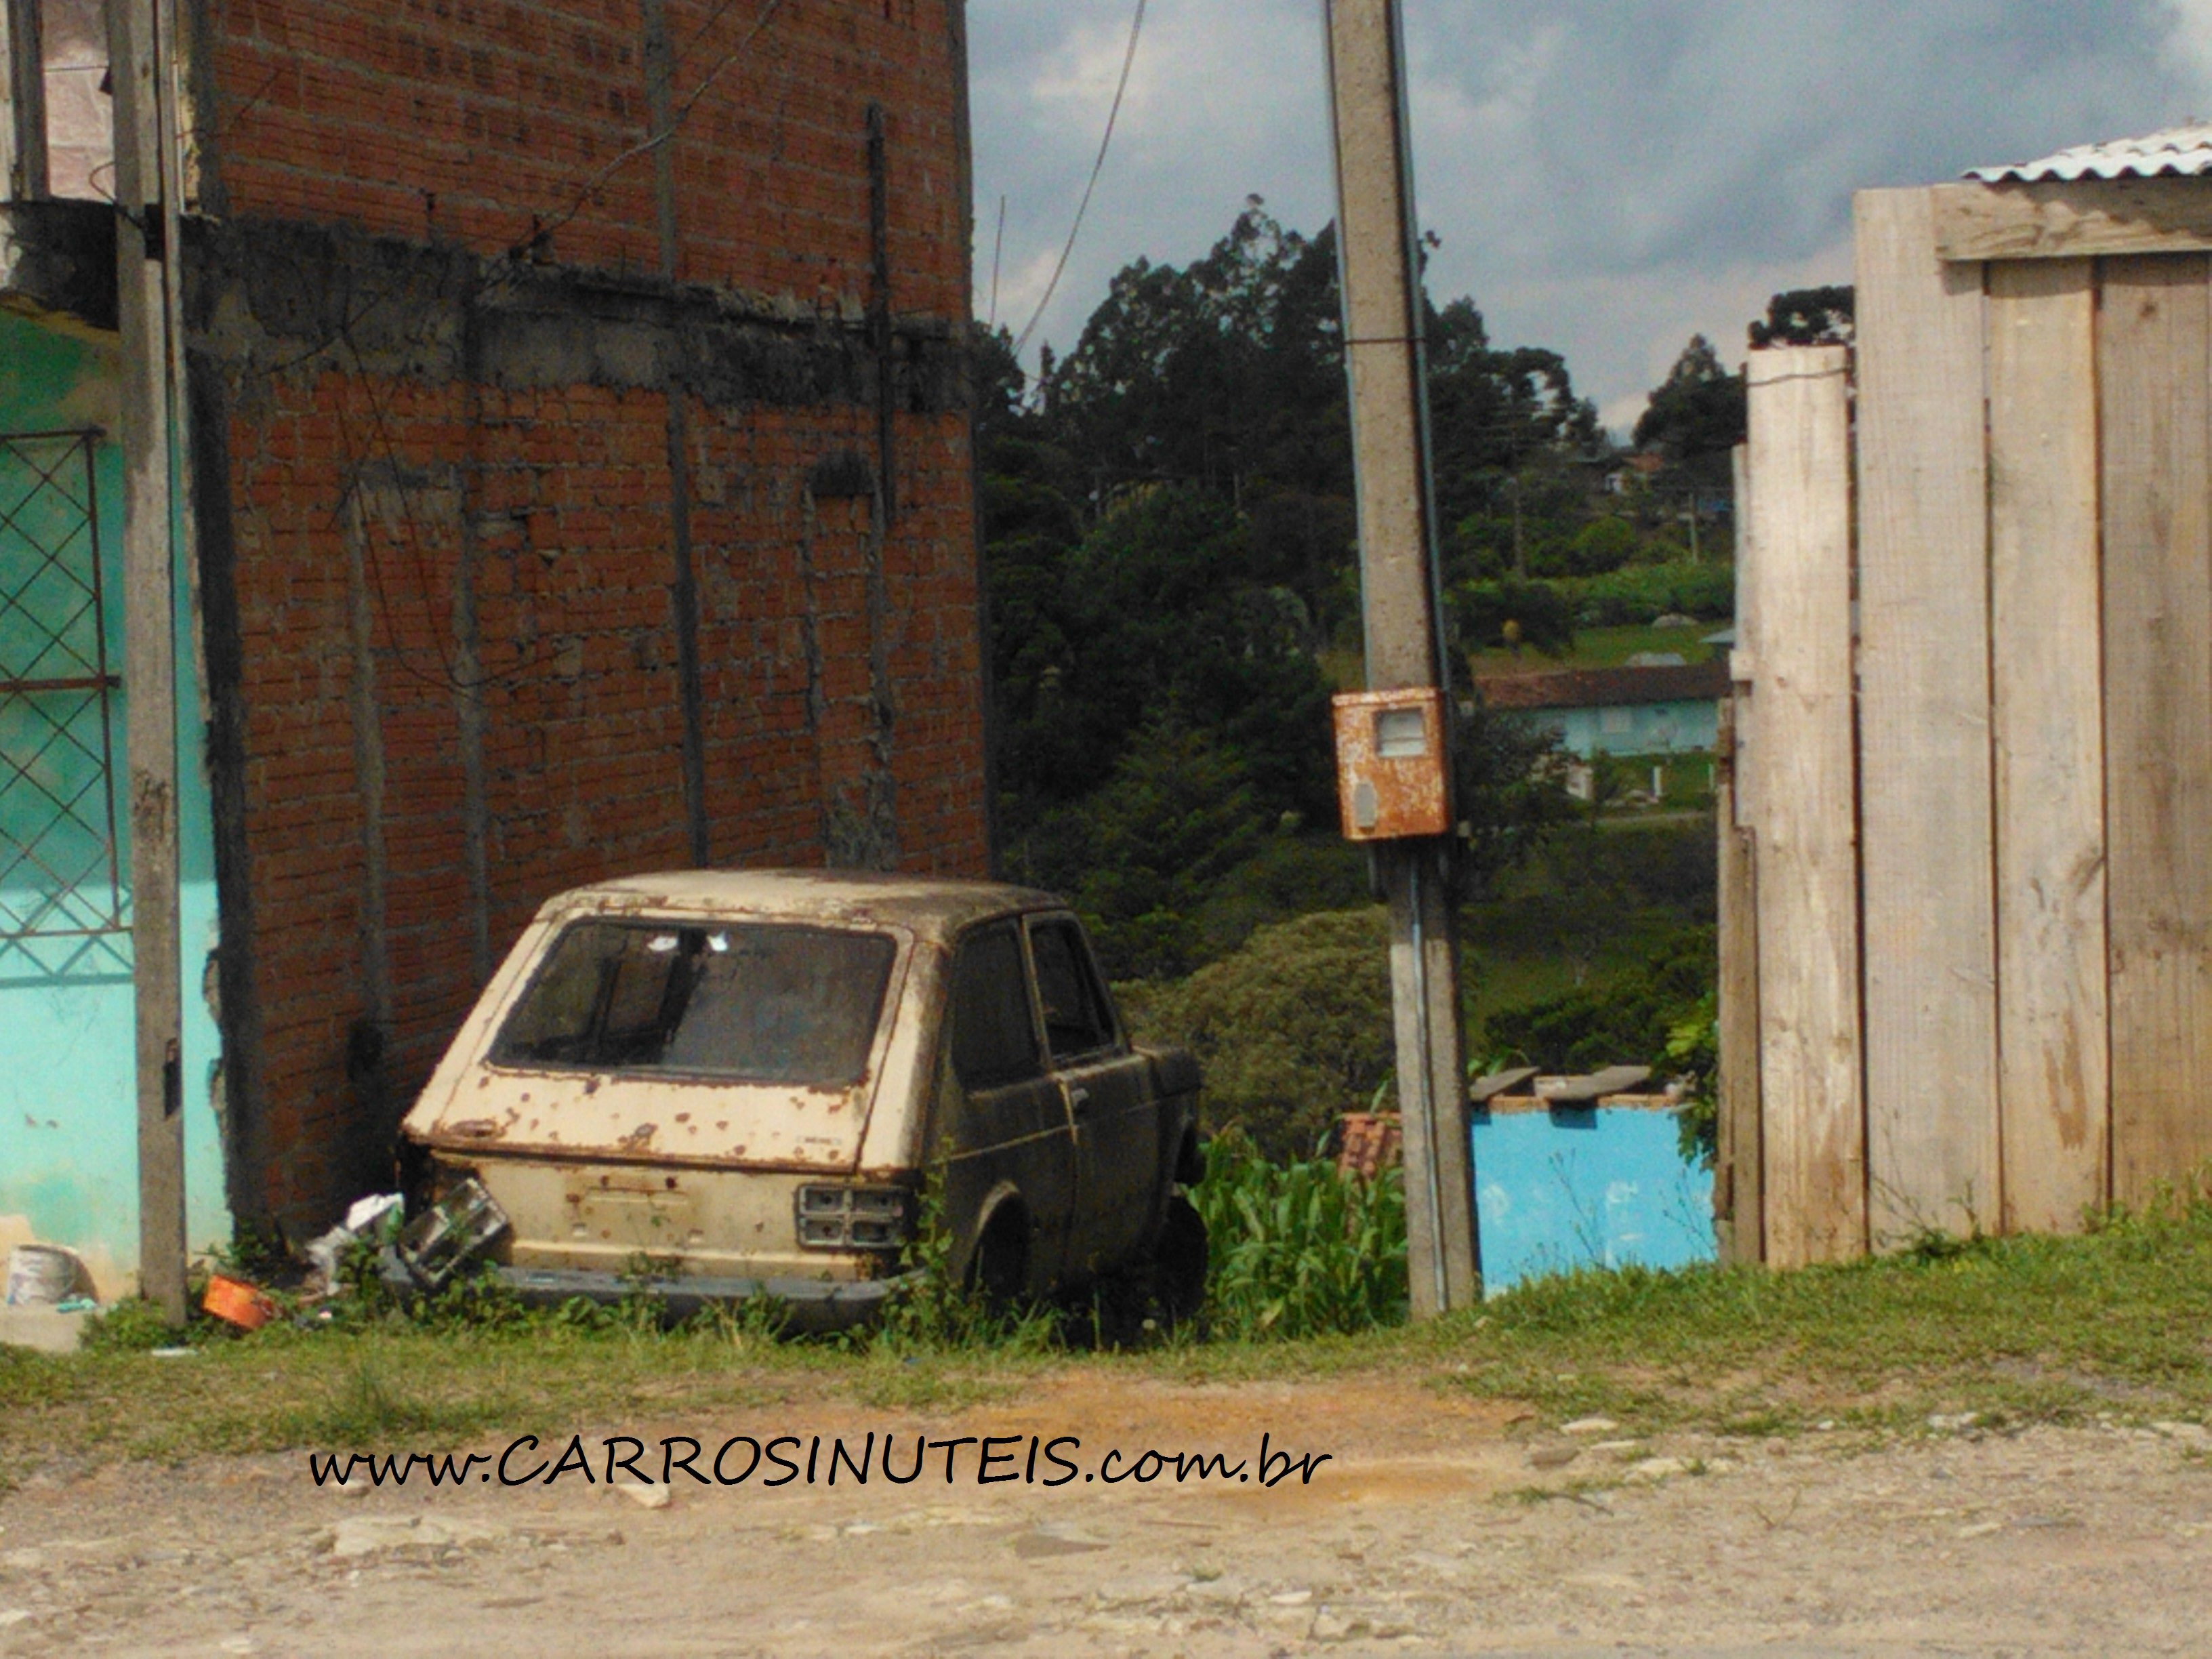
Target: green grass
(1585, 911)
(1520, 952)
(1594, 647)
(391, 1385)
(2022, 1330)
(1499, 980)
(1687, 779)
(2019, 1330)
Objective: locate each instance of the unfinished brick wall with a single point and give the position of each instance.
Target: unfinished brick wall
(478, 122)
(439, 516)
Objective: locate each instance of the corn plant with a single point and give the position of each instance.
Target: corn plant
(1296, 1249)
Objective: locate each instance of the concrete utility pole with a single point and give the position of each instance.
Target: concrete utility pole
(146, 244)
(23, 94)
(1380, 269)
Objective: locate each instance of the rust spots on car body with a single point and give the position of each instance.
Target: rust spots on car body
(702, 1142)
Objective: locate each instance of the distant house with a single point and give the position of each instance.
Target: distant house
(1637, 710)
(1636, 472)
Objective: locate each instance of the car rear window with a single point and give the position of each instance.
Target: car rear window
(755, 1002)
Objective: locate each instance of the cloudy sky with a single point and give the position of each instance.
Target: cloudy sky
(1609, 176)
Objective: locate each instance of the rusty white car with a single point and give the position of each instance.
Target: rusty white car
(721, 1084)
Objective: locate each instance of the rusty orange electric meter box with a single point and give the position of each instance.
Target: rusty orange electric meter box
(1391, 780)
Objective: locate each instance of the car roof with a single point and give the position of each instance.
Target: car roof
(931, 906)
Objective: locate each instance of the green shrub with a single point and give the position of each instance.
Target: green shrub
(1292, 1028)
(1141, 855)
(1290, 873)
(1295, 1250)
(1693, 1051)
(1642, 593)
(1601, 546)
(1626, 1018)
(1484, 614)
(131, 1325)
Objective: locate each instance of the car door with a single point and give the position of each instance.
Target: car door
(1012, 1126)
(1108, 1094)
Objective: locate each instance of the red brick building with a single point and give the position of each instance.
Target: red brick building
(581, 484)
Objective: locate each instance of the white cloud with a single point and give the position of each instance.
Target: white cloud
(2189, 47)
(1224, 100)
(1608, 178)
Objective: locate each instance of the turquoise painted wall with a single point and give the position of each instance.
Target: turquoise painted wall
(1591, 1188)
(1653, 728)
(68, 1103)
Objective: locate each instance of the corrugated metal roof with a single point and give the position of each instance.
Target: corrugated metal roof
(2178, 152)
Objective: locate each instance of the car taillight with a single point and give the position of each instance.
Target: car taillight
(833, 1216)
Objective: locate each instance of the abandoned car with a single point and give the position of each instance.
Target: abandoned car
(724, 1084)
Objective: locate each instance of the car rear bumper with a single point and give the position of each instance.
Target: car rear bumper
(810, 1305)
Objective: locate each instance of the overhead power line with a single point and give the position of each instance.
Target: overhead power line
(1105, 142)
(998, 248)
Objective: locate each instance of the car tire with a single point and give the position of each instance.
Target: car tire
(1179, 1259)
(999, 1271)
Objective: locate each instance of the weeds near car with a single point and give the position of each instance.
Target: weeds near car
(938, 1310)
(1296, 1250)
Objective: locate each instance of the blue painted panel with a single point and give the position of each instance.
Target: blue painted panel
(1560, 1190)
(1654, 728)
(67, 1101)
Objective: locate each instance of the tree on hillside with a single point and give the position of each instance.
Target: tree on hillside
(1228, 374)
(1497, 415)
(1169, 527)
(1159, 606)
(1696, 416)
(1000, 389)
(1213, 374)
(1142, 855)
(1806, 317)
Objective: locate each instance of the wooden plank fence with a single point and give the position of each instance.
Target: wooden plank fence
(2156, 381)
(1931, 1009)
(1965, 801)
(1799, 642)
(2046, 739)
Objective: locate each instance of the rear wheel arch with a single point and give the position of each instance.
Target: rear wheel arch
(1188, 1166)
(998, 1261)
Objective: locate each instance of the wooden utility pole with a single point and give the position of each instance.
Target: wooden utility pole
(1380, 270)
(146, 240)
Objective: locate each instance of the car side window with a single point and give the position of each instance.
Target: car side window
(1076, 1018)
(994, 1038)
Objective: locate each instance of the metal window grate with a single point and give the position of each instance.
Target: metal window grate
(62, 906)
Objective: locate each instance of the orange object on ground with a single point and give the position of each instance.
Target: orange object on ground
(238, 1302)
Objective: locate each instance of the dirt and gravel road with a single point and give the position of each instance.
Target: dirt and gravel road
(1422, 1534)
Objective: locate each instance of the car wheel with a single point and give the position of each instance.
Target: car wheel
(1179, 1261)
(999, 1272)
